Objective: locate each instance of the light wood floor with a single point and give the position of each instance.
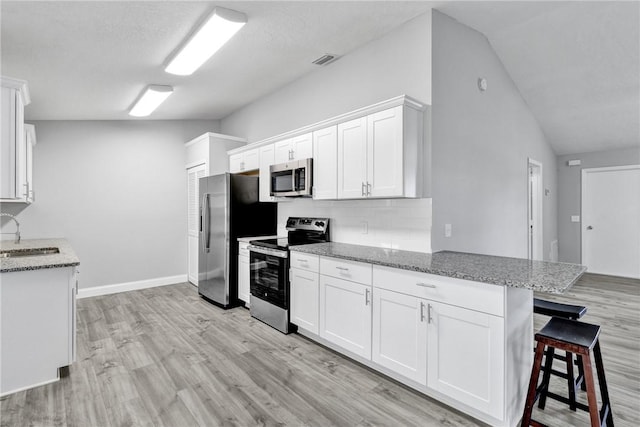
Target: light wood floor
(164, 356)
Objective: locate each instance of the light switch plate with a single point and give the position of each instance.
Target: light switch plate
(447, 230)
(575, 218)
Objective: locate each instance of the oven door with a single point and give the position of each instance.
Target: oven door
(269, 278)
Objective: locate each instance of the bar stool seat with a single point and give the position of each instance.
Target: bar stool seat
(577, 338)
(556, 309)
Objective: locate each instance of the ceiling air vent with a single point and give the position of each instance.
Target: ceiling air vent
(325, 59)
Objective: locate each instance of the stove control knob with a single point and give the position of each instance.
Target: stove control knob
(319, 224)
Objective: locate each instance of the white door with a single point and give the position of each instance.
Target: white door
(283, 151)
(465, 356)
(325, 167)
(267, 158)
(611, 220)
(384, 153)
(193, 220)
(534, 215)
(302, 146)
(345, 314)
(400, 334)
(352, 159)
(305, 298)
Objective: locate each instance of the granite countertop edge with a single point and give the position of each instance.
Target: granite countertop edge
(547, 283)
(66, 258)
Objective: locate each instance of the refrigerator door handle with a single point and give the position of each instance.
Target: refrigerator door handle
(205, 226)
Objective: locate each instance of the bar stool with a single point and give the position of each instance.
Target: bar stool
(565, 311)
(578, 338)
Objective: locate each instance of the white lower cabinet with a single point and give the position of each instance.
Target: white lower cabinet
(345, 314)
(244, 273)
(466, 356)
(400, 334)
(304, 299)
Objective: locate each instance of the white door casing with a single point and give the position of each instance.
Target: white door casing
(535, 196)
(194, 174)
(611, 220)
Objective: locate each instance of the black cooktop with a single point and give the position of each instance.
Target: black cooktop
(281, 243)
(302, 231)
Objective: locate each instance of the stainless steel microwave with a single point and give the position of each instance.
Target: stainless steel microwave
(291, 179)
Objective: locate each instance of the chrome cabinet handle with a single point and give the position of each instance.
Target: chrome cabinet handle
(342, 268)
(429, 318)
(421, 311)
(426, 285)
(368, 189)
(363, 187)
(366, 297)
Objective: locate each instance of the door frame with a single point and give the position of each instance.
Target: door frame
(535, 201)
(583, 190)
(193, 279)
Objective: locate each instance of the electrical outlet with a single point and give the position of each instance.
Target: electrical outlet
(365, 227)
(447, 230)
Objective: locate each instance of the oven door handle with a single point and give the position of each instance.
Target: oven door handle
(267, 251)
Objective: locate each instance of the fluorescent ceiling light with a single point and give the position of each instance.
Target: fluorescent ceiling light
(151, 98)
(206, 41)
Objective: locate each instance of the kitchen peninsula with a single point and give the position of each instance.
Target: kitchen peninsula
(455, 326)
(38, 283)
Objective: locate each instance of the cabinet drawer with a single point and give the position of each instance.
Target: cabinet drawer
(243, 249)
(305, 261)
(477, 296)
(347, 270)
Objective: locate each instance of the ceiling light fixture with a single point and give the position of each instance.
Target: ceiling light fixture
(150, 99)
(211, 36)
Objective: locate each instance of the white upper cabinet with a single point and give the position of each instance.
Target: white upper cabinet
(352, 159)
(245, 161)
(13, 151)
(325, 163)
(299, 147)
(379, 155)
(267, 158)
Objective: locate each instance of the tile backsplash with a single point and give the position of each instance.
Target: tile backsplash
(387, 223)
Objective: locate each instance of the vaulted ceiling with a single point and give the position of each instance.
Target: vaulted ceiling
(576, 63)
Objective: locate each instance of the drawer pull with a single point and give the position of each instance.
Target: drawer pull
(426, 285)
(342, 268)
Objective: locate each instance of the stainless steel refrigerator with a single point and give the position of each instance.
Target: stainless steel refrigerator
(229, 209)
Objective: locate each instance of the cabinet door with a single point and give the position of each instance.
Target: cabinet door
(465, 358)
(251, 160)
(352, 159)
(235, 162)
(385, 153)
(304, 299)
(11, 147)
(283, 151)
(325, 168)
(302, 146)
(400, 334)
(30, 141)
(267, 158)
(345, 314)
(243, 279)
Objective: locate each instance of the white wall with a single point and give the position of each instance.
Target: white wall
(569, 194)
(395, 64)
(117, 191)
(480, 146)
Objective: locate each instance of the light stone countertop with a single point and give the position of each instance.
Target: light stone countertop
(66, 258)
(542, 276)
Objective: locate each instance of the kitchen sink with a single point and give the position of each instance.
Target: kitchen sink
(28, 252)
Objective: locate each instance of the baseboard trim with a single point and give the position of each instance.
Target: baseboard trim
(130, 286)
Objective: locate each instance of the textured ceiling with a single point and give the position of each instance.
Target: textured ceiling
(577, 64)
(90, 60)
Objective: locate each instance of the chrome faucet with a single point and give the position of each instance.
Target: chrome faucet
(17, 233)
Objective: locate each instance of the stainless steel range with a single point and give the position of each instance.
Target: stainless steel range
(269, 263)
